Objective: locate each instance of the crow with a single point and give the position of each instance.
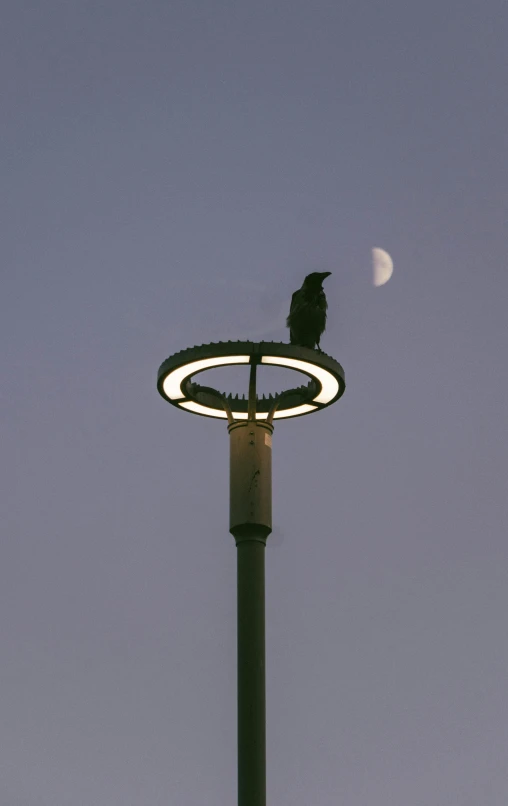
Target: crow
(307, 314)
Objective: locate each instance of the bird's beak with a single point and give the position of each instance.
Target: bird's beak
(325, 274)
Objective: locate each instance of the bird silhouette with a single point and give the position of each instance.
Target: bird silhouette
(307, 314)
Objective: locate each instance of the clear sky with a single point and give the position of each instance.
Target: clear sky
(170, 171)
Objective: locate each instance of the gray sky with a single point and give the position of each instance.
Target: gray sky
(169, 173)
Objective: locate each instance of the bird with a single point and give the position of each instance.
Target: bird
(307, 313)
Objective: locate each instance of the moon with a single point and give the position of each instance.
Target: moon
(382, 266)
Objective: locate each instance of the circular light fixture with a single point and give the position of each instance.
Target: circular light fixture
(325, 386)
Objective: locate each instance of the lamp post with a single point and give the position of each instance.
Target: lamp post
(250, 427)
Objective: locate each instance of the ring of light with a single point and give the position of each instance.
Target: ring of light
(326, 375)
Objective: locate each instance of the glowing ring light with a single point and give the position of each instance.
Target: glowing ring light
(326, 384)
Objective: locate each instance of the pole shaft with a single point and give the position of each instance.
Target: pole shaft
(251, 673)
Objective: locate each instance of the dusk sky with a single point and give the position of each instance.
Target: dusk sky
(170, 172)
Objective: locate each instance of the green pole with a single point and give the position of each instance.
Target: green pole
(251, 673)
(250, 524)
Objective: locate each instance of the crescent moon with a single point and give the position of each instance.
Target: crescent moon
(382, 266)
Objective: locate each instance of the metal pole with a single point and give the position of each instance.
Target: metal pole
(250, 524)
(251, 673)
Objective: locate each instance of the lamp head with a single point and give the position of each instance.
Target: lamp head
(325, 378)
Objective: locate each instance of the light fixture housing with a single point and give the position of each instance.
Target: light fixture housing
(325, 376)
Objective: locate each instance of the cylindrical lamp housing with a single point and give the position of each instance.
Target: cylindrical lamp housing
(250, 508)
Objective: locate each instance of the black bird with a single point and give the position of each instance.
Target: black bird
(307, 314)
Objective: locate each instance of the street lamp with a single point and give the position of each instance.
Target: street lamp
(250, 426)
